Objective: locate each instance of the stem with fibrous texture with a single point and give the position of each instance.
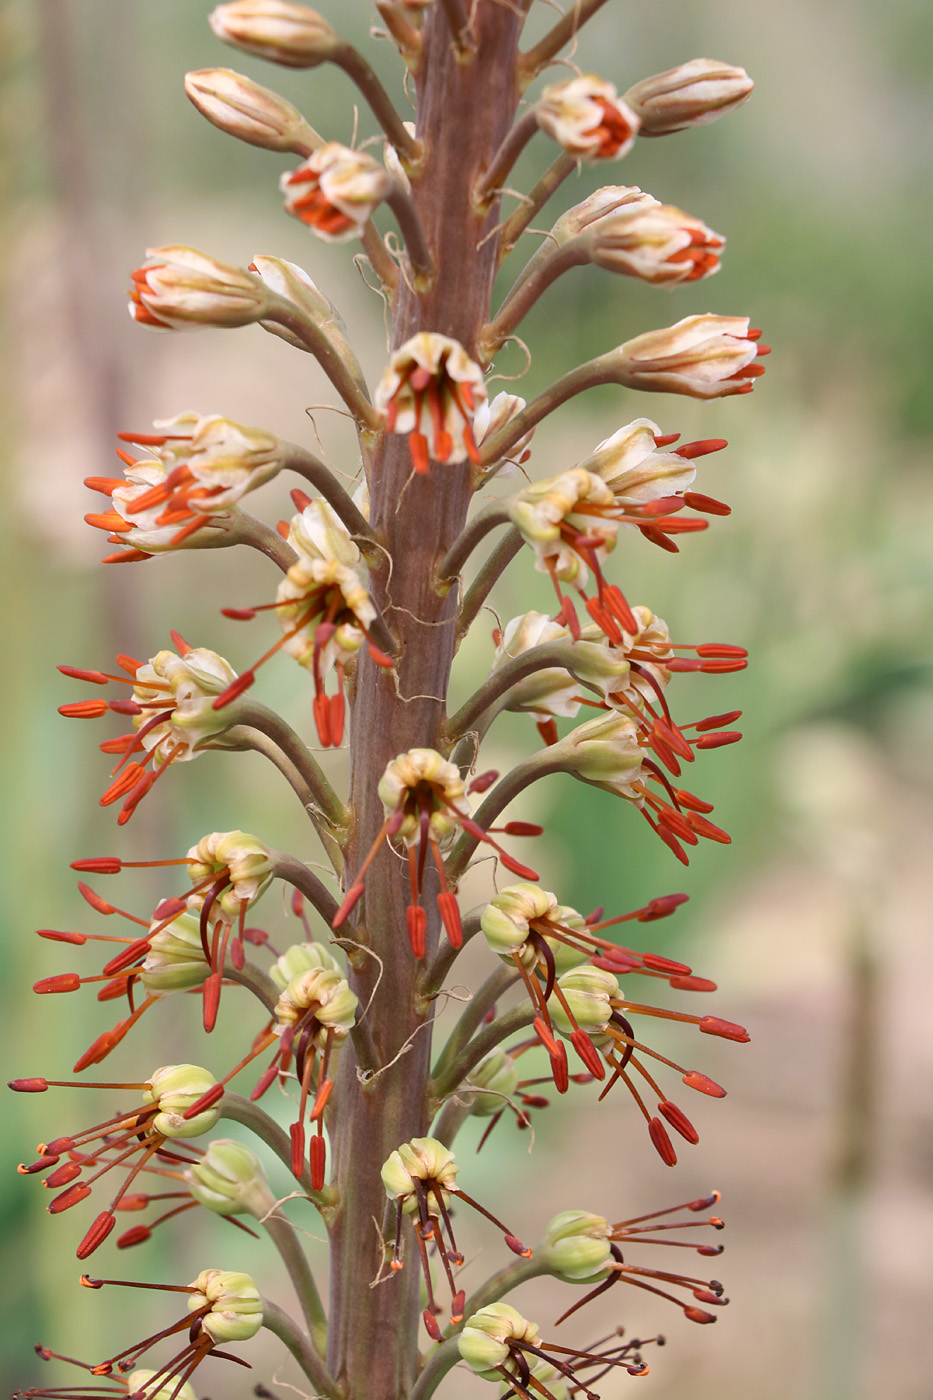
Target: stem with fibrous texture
(279, 1323)
(531, 62)
(550, 182)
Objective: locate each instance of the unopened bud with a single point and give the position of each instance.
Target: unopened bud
(300, 958)
(690, 95)
(230, 1180)
(175, 1088)
(576, 1245)
(285, 33)
(236, 1306)
(498, 1074)
(249, 111)
(484, 1341)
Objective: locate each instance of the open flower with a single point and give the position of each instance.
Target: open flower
(336, 191)
(425, 804)
(420, 1177)
(489, 418)
(169, 1095)
(430, 391)
(499, 1344)
(587, 117)
(705, 357)
(180, 289)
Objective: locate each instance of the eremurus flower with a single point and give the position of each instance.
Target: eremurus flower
(140, 1133)
(420, 1178)
(500, 1344)
(335, 191)
(425, 804)
(429, 392)
(173, 714)
(587, 117)
(705, 357)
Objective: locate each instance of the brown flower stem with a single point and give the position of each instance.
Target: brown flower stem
(503, 1281)
(290, 1334)
(491, 515)
(497, 686)
(502, 162)
(241, 737)
(531, 62)
(242, 528)
(356, 67)
(381, 260)
(466, 104)
(495, 986)
(255, 715)
(441, 1360)
(290, 868)
(453, 1115)
(283, 1236)
(419, 255)
(488, 576)
(604, 369)
(344, 375)
(505, 1024)
(406, 36)
(550, 182)
(253, 978)
(445, 957)
(540, 272)
(459, 23)
(305, 464)
(539, 765)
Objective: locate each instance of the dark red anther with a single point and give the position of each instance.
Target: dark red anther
(61, 936)
(547, 728)
(431, 1326)
(238, 954)
(663, 906)
(207, 1100)
(708, 504)
(588, 1053)
(695, 804)
(104, 865)
(710, 1251)
(62, 982)
(71, 1197)
(239, 614)
(678, 1121)
(616, 602)
(100, 1048)
(257, 936)
(321, 1100)
(94, 900)
(708, 829)
(450, 915)
(718, 741)
(522, 829)
(234, 690)
(211, 1000)
(96, 1234)
(671, 841)
(84, 709)
(41, 1164)
(318, 1160)
(337, 713)
(701, 448)
(665, 965)
(665, 439)
(717, 722)
(559, 1070)
(483, 781)
(136, 1234)
(262, 1084)
(705, 1295)
(57, 1147)
(703, 1084)
(351, 897)
(179, 643)
(546, 1037)
(136, 1200)
(320, 708)
(127, 956)
(720, 649)
(169, 908)
(665, 1148)
(76, 674)
(714, 1025)
(417, 922)
(516, 1246)
(705, 1202)
(300, 499)
(693, 984)
(113, 990)
(125, 707)
(381, 658)
(698, 1315)
(63, 1175)
(535, 1101)
(297, 1135)
(457, 1303)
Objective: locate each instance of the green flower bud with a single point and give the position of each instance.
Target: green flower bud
(230, 1180)
(587, 991)
(175, 1088)
(576, 1245)
(299, 958)
(506, 919)
(483, 1343)
(422, 1159)
(497, 1072)
(236, 1307)
(136, 1380)
(604, 752)
(175, 961)
(324, 993)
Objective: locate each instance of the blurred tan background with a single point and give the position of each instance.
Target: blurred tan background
(815, 923)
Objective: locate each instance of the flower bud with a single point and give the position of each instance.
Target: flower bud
(236, 1307)
(587, 991)
(576, 1245)
(335, 191)
(230, 1180)
(690, 95)
(551, 691)
(175, 1088)
(506, 918)
(245, 109)
(330, 997)
(175, 961)
(587, 117)
(547, 510)
(604, 752)
(483, 1343)
(624, 230)
(285, 33)
(136, 1381)
(230, 456)
(497, 1072)
(424, 767)
(490, 418)
(181, 289)
(243, 858)
(295, 297)
(301, 958)
(705, 357)
(634, 470)
(430, 391)
(422, 1159)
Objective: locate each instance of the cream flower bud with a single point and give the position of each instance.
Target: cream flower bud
(229, 1179)
(194, 681)
(236, 1305)
(422, 1159)
(138, 1380)
(587, 992)
(246, 861)
(324, 993)
(430, 390)
(689, 95)
(175, 1088)
(285, 33)
(604, 752)
(483, 1343)
(249, 111)
(301, 958)
(587, 117)
(541, 510)
(490, 417)
(506, 918)
(410, 771)
(181, 289)
(175, 961)
(230, 459)
(576, 1245)
(705, 357)
(604, 202)
(549, 692)
(633, 468)
(624, 230)
(497, 1073)
(336, 191)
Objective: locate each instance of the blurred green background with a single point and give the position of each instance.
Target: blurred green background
(815, 923)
